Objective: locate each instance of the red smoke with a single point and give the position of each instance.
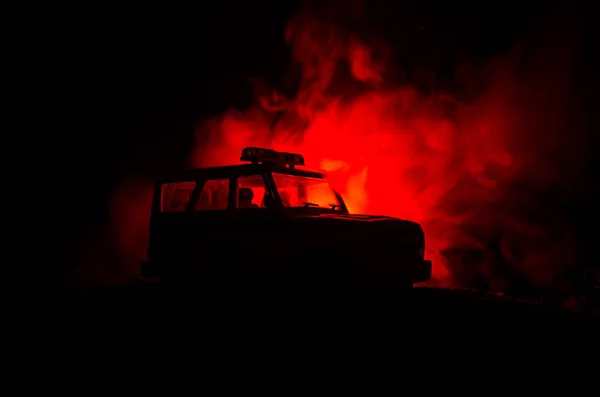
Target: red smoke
(472, 161)
(461, 162)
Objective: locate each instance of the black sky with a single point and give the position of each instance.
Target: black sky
(143, 77)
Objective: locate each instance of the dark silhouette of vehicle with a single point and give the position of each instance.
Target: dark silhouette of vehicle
(268, 221)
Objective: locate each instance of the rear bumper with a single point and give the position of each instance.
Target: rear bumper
(423, 272)
(148, 270)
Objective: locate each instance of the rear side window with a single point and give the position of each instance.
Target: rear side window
(176, 196)
(214, 195)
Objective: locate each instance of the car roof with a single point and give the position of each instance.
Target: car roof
(235, 170)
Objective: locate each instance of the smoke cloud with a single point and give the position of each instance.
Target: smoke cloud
(485, 157)
(484, 160)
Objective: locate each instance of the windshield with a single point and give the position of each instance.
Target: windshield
(301, 191)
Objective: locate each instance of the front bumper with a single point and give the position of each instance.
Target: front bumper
(423, 272)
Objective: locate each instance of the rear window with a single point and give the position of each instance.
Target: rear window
(176, 196)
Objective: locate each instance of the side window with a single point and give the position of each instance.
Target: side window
(214, 195)
(251, 192)
(176, 196)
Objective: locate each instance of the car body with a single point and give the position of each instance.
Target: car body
(269, 221)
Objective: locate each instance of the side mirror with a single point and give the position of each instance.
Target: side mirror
(148, 270)
(340, 199)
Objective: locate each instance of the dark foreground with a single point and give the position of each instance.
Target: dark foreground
(396, 307)
(281, 325)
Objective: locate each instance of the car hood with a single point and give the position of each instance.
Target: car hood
(328, 217)
(359, 223)
(349, 217)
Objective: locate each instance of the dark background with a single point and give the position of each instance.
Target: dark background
(134, 82)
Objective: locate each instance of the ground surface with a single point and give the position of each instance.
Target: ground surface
(402, 326)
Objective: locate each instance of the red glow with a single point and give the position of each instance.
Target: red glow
(446, 161)
(472, 162)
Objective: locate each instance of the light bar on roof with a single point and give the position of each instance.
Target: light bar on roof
(258, 155)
